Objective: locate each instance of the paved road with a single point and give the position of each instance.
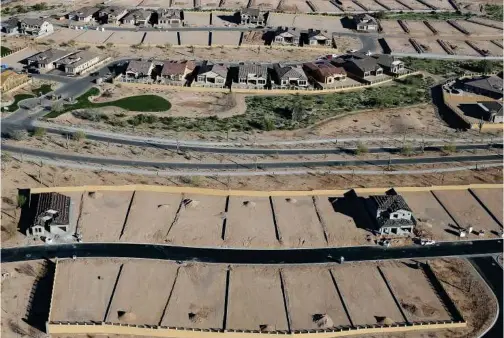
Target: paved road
(250, 256)
(237, 166)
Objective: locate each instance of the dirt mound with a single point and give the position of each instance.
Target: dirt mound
(249, 204)
(126, 316)
(163, 206)
(323, 321)
(423, 310)
(197, 317)
(95, 194)
(411, 308)
(384, 320)
(291, 200)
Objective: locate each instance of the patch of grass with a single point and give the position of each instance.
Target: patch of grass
(15, 105)
(4, 50)
(146, 103)
(423, 16)
(42, 90)
(494, 12)
(452, 67)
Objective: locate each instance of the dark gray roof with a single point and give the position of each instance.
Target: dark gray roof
(385, 60)
(258, 70)
(290, 31)
(365, 64)
(312, 33)
(141, 14)
(33, 21)
(141, 67)
(390, 203)
(12, 22)
(364, 18)
(251, 11)
(84, 12)
(50, 55)
(56, 202)
(217, 69)
(494, 107)
(387, 222)
(116, 10)
(492, 83)
(289, 72)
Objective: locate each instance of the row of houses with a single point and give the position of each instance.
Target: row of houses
(71, 62)
(319, 74)
(121, 15)
(293, 37)
(27, 26)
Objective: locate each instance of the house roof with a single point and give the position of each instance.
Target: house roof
(258, 70)
(385, 60)
(289, 72)
(176, 67)
(390, 203)
(171, 14)
(494, 107)
(325, 69)
(217, 69)
(251, 11)
(78, 58)
(288, 31)
(141, 67)
(311, 34)
(50, 55)
(56, 202)
(364, 18)
(141, 14)
(12, 22)
(491, 83)
(33, 21)
(84, 12)
(112, 10)
(366, 64)
(395, 222)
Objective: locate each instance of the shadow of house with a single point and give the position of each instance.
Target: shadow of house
(27, 210)
(40, 298)
(355, 207)
(488, 111)
(268, 37)
(235, 18)
(347, 22)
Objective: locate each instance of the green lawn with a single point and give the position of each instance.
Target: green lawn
(494, 12)
(42, 90)
(144, 103)
(14, 106)
(4, 50)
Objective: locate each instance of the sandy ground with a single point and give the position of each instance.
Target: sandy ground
(423, 304)
(194, 38)
(197, 19)
(493, 201)
(433, 220)
(103, 215)
(466, 211)
(142, 292)
(368, 300)
(445, 28)
(431, 46)
(324, 23)
(161, 38)
(418, 28)
(250, 223)
(255, 299)
(345, 220)
(392, 4)
(197, 299)
(489, 46)
(311, 292)
(297, 221)
(150, 217)
(75, 282)
(199, 222)
(399, 45)
(225, 38)
(478, 30)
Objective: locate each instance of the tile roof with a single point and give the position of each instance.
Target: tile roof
(289, 72)
(258, 70)
(176, 67)
(390, 203)
(141, 67)
(324, 68)
(56, 202)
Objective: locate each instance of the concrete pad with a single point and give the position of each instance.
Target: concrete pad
(199, 223)
(365, 294)
(225, 38)
(492, 200)
(194, 38)
(197, 299)
(142, 292)
(310, 292)
(93, 37)
(150, 216)
(297, 221)
(255, 298)
(250, 223)
(126, 38)
(82, 289)
(103, 215)
(197, 19)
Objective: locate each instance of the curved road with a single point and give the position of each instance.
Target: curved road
(256, 165)
(250, 256)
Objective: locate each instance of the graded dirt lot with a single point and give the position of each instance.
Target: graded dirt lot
(255, 299)
(414, 292)
(444, 28)
(103, 215)
(14, 60)
(250, 223)
(126, 38)
(194, 38)
(399, 45)
(479, 30)
(324, 23)
(239, 4)
(350, 6)
(415, 4)
(432, 46)
(150, 217)
(467, 211)
(311, 292)
(441, 4)
(345, 219)
(297, 221)
(161, 38)
(418, 28)
(197, 299)
(224, 19)
(209, 4)
(493, 201)
(365, 294)
(392, 4)
(82, 289)
(64, 35)
(432, 218)
(96, 37)
(325, 6)
(199, 222)
(462, 48)
(142, 292)
(492, 48)
(344, 43)
(126, 3)
(196, 19)
(226, 38)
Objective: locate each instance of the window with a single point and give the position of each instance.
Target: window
(261, 81)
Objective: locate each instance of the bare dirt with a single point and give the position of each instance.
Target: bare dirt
(492, 200)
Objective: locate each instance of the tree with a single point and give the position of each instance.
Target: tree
(361, 148)
(379, 15)
(39, 132)
(485, 66)
(449, 148)
(57, 107)
(407, 150)
(268, 124)
(79, 135)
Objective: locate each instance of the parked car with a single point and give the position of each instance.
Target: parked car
(426, 242)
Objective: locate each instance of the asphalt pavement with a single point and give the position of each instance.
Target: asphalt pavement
(250, 256)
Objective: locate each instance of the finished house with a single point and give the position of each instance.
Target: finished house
(289, 76)
(251, 16)
(365, 23)
(211, 75)
(324, 74)
(486, 111)
(84, 14)
(52, 215)
(35, 27)
(10, 26)
(490, 86)
(393, 215)
(139, 70)
(288, 36)
(176, 72)
(389, 63)
(317, 38)
(169, 17)
(77, 63)
(363, 68)
(252, 75)
(111, 14)
(137, 17)
(47, 59)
